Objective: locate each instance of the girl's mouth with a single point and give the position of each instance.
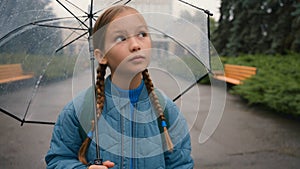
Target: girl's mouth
(137, 58)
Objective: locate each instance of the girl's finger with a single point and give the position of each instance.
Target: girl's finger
(108, 164)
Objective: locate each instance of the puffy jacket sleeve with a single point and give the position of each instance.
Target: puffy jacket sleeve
(180, 157)
(65, 142)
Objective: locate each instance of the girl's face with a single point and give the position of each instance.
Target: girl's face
(127, 44)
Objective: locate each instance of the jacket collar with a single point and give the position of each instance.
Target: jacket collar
(120, 96)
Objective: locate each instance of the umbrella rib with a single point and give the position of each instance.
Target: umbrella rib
(13, 31)
(74, 31)
(39, 122)
(9, 114)
(191, 51)
(208, 70)
(76, 7)
(188, 88)
(106, 7)
(70, 42)
(54, 19)
(194, 54)
(62, 27)
(24, 121)
(127, 2)
(36, 122)
(32, 23)
(72, 13)
(204, 10)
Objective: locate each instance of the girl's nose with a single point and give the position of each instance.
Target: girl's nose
(134, 45)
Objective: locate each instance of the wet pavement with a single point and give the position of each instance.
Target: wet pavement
(246, 137)
(249, 137)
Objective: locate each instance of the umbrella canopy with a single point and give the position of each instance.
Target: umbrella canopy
(46, 40)
(51, 41)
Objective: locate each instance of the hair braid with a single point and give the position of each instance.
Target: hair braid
(154, 99)
(100, 98)
(100, 92)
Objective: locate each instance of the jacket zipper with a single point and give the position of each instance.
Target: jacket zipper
(133, 135)
(122, 140)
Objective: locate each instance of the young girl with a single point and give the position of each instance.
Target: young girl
(139, 127)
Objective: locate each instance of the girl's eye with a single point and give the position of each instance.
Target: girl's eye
(120, 39)
(142, 34)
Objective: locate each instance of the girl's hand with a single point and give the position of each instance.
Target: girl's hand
(105, 165)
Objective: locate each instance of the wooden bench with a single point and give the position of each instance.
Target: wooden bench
(235, 74)
(13, 72)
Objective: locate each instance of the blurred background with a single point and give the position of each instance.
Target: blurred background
(261, 119)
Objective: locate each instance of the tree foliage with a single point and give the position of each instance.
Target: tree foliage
(32, 39)
(258, 26)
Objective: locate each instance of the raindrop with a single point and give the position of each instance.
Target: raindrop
(281, 3)
(269, 10)
(264, 33)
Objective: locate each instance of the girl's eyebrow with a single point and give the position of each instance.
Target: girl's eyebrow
(143, 26)
(118, 31)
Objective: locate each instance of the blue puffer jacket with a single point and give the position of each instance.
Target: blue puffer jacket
(129, 134)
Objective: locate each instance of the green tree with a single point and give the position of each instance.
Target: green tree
(220, 36)
(258, 26)
(16, 13)
(295, 45)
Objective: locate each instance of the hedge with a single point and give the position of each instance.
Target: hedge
(276, 85)
(55, 67)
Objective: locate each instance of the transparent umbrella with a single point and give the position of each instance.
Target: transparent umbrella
(51, 42)
(46, 42)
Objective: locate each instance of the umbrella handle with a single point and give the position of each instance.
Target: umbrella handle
(98, 161)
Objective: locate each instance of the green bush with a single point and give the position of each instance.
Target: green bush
(276, 84)
(186, 67)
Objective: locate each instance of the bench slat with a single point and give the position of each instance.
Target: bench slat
(239, 75)
(238, 67)
(13, 72)
(235, 74)
(12, 79)
(228, 79)
(246, 71)
(10, 70)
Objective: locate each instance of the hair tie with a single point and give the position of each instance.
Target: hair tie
(90, 134)
(163, 123)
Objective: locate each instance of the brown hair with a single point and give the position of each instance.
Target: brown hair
(102, 22)
(107, 17)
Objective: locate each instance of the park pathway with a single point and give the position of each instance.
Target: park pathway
(246, 137)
